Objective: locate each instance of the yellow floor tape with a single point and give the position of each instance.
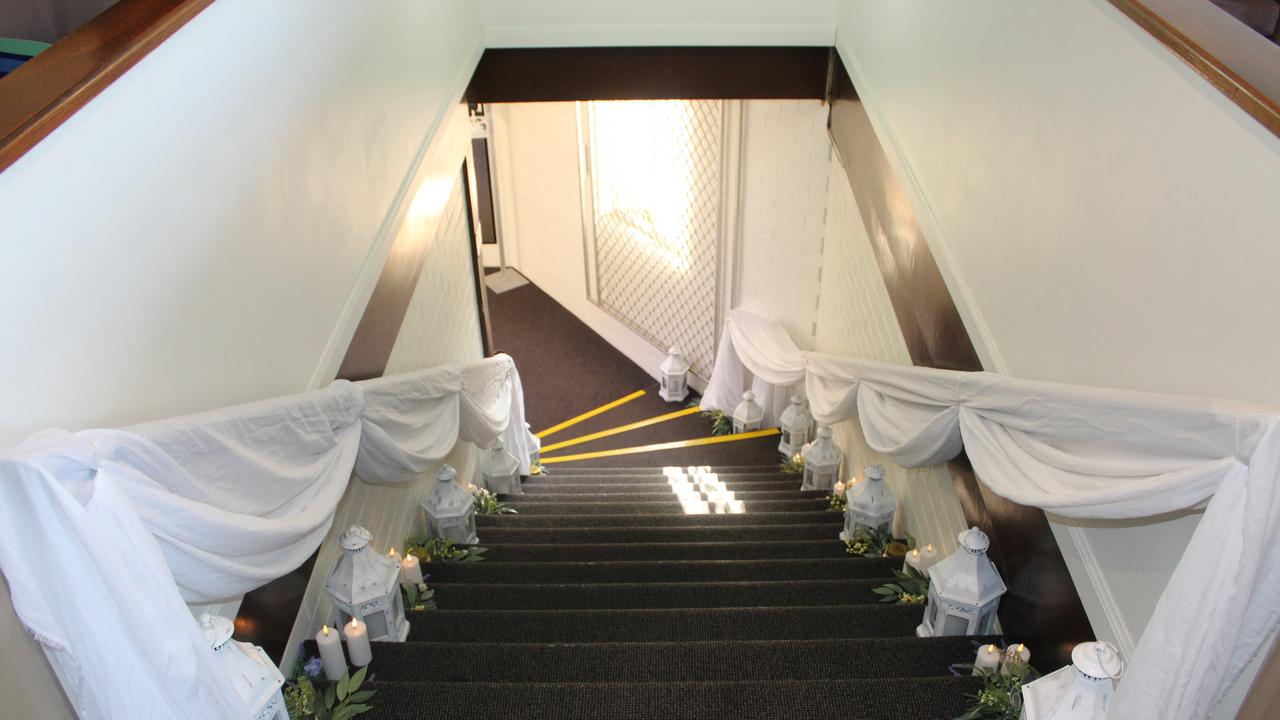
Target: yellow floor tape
(676, 445)
(621, 429)
(591, 413)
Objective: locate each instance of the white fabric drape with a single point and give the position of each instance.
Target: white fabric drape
(106, 532)
(754, 345)
(1088, 453)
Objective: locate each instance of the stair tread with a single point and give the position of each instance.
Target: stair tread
(670, 571)
(818, 516)
(717, 594)
(671, 505)
(663, 533)
(610, 494)
(887, 699)
(500, 553)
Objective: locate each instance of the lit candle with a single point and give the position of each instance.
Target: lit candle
(335, 662)
(358, 642)
(915, 559)
(988, 659)
(393, 554)
(1012, 654)
(410, 570)
(928, 558)
(838, 488)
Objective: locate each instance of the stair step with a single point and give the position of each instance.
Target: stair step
(651, 488)
(671, 506)
(500, 553)
(755, 477)
(662, 533)
(894, 699)
(574, 493)
(818, 516)
(771, 593)
(656, 471)
(683, 571)
(670, 661)
(665, 624)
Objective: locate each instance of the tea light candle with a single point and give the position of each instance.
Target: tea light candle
(410, 570)
(1014, 653)
(335, 661)
(358, 642)
(838, 488)
(988, 659)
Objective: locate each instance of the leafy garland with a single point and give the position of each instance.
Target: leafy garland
(428, 549)
(721, 424)
(307, 697)
(911, 588)
(836, 503)
(487, 503)
(418, 597)
(794, 465)
(538, 469)
(877, 543)
(1001, 695)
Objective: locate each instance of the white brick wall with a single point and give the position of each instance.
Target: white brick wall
(856, 318)
(785, 161)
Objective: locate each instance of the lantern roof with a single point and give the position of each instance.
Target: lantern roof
(255, 678)
(674, 364)
(216, 629)
(873, 498)
(1097, 660)
(499, 462)
(748, 410)
(796, 414)
(968, 575)
(447, 498)
(362, 574)
(822, 452)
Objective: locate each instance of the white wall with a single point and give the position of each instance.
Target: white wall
(577, 23)
(856, 319)
(208, 229)
(1101, 214)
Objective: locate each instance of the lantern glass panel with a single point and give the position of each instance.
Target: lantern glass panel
(377, 624)
(956, 625)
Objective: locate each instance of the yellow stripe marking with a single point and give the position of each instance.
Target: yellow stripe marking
(662, 446)
(590, 414)
(621, 429)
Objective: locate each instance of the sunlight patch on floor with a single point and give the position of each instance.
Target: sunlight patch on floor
(701, 492)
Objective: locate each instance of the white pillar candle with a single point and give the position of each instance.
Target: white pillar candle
(988, 659)
(838, 488)
(410, 570)
(393, 554)
(915, 559)
(335, 661)
(358, 642)
(1014, 653)
(928, 557)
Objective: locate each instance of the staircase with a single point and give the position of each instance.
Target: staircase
(603, 599)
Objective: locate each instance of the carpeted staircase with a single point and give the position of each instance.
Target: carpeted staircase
(603, 599)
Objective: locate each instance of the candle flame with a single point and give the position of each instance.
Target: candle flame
(1021, 647)
(929, 546)
(392, 551)
(355, 623)
(991, 648)
(325, 629)
(915, 553)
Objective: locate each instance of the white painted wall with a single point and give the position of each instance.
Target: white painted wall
(578, 23)
(208, 230)
(1101, 214)
(856, 319)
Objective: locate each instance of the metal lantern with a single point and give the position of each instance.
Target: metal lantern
(500, 471)
(1081, 691)
(822, 461)
(366, 585)
(673, 377)
(256, 678)
(748, 416)
(450, 509)
(964, 591)
(535, 446)
(869, 504)
(795, 422)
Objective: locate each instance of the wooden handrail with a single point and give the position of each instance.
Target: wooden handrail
(46, 90)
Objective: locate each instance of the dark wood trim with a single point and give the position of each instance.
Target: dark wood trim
(484, 192)
(46, 90)
(477, 267)
(1042, 607)
(648, 73)
(1218, 47)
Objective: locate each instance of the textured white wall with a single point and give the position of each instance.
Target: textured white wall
(1102, 215)
(856, 319)
(785, 166)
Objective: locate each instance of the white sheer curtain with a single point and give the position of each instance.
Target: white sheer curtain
(755, 353)
(1089, 453)
(106, 534)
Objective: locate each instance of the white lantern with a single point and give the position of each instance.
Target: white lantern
(366, 585)
(450, 509)
(535, 446)
(673, 377)
(869, 504)
(748, 416)
(500, 471)
(822, 461)
(795, 422)
(255, 677)
(1081, 691)
(964, 591)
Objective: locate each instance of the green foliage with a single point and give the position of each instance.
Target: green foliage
(877, 543)
(911, 588)
(836, 502)
(342, 700)
(1001, 695)
(487, 504)
(538, 469)
(721, 424)
(793, 465)
(418, 597)
(428, 549)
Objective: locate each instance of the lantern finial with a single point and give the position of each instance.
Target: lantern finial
(355, 538)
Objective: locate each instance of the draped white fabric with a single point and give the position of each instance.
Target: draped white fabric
(758, 346)
(1091, 453)
(107, 532)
